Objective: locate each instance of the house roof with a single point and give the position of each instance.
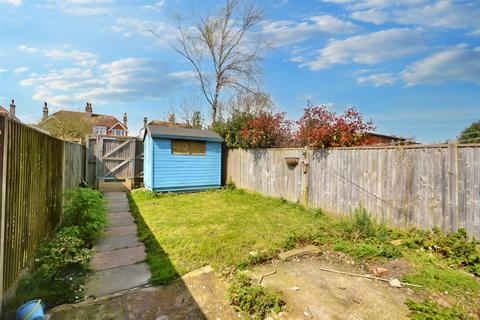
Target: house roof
(157, 131)
(6, 113)
(96, 119)
(380, 135)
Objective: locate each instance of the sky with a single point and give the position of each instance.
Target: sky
(412, 66)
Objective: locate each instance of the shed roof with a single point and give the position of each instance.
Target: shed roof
(157, 131)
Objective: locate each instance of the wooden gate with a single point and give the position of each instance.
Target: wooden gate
(115, 158)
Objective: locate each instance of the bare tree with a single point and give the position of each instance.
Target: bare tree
(222, 50)
(247, 102)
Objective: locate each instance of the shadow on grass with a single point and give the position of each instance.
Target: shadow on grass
(163, 271)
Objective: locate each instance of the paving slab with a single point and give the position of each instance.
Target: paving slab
(117, 258)
(114, 195)
(114, 215)
(117, 242)
(115, 198)
(307, 250)
(121, 231)
(113, 280)
(118, 208)
(117, 222)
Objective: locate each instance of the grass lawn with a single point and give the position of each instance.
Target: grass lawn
(183, 232)
(218, 227)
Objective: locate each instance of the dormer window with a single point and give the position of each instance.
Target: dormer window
(99, 130)
(117, 132)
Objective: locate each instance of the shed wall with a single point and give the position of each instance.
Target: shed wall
(185, 172)
(148, 163)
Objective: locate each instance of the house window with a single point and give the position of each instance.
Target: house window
(117, 132)
(189, 147)
(99, 130)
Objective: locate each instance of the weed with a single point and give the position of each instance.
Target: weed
(363, 223)
(430, 310)
(434, 273)
(63, 255)
(455, 248)
(252, 298)
(367, 250)
(230, 185)
(85, 209)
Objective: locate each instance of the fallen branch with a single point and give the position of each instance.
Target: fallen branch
(268, 274)
(367, 276)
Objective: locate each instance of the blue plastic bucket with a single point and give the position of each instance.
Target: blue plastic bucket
(32, 310)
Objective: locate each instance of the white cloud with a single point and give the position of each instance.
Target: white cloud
(21, 70)
(369, 48)
(122, 80)
(81, 7)
(15, 3)
(443, 13)
(430, 13)
(82, 58)
(130, 26)
(156, 6)
(287, 32)
(84, 11)
(184, 75)
(372, 16)
(297, 59)
(455, 63)
(3, 70)
(378, 79)
(28, 49)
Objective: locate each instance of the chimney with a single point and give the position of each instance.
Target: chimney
(45, 111)
(12, 109)
(125, 120)
(145, 122)
(88, 110)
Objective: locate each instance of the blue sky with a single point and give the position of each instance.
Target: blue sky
(413, 66)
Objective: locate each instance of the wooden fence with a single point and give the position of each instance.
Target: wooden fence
(409, 186)
(35, 169)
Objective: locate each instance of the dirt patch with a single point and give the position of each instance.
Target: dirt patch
(396, 268)
(311, 293)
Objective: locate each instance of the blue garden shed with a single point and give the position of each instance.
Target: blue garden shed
(180, 159)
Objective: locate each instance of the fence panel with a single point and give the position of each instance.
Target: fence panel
(421, 186)
(33, 194)
(265, 171)
(74, 164)
(35, 169)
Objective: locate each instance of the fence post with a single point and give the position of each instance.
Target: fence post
(453, 184)
(3, 181)
(305, 178)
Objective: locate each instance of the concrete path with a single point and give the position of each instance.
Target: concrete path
(118, 263)
(197, 295)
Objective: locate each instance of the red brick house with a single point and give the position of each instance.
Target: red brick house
(98, 124)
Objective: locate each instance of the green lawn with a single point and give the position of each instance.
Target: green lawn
(219, 228)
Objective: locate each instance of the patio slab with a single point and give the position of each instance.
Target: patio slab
(122, 221)
(115, 215)
(113, 280)
(121, 231)
(118, 208)
(117, 258)
(117, 242)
